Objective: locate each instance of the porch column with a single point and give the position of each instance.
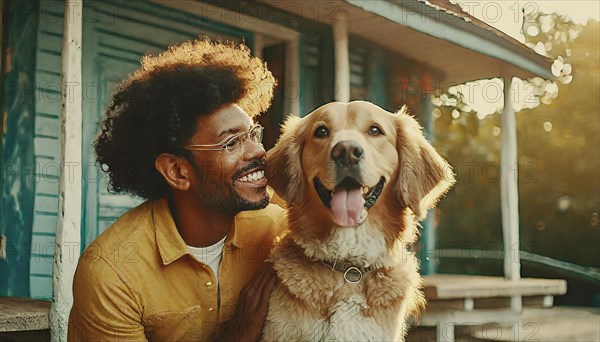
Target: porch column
(509, 192)
(342, 57)
(427, 255)
(259, 45)
(292, 76)
(68, 230)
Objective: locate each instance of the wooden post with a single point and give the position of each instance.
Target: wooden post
(292, 75)
(342, 57)
(68, 230)
(259, 45)
(427, 254)
(509, 191)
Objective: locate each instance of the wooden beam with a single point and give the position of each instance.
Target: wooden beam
(342, 57)
(68, 231)
(509, 191)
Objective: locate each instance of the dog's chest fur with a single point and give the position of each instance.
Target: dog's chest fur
(314, 302)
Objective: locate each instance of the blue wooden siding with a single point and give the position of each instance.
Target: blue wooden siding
(317, 72)
(368, 72)
(18, 178)
(358, 72)
(377, 82)
(47, 146)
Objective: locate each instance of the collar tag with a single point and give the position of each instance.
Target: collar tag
(353, 275)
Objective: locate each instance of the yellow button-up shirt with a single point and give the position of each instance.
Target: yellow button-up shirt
(138, 280)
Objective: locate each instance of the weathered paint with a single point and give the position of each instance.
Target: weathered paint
(68, 230)
(18, 178)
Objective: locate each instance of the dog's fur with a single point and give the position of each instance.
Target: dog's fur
(314, 302)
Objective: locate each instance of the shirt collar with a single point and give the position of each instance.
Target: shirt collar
(170, 243)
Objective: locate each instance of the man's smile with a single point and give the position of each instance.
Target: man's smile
(253, 176)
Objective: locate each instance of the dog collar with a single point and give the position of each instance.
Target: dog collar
(352, 274)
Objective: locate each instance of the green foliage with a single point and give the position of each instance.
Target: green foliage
(559, 154)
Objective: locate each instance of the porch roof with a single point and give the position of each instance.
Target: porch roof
(435, 32)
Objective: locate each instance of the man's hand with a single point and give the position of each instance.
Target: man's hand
(251, 310)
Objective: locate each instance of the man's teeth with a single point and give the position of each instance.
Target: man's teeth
(254, 176)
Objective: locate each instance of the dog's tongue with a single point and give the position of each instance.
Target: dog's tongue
(346, 207)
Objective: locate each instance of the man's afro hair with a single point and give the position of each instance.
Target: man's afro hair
(155, 110)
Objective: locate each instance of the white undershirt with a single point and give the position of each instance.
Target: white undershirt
(210, 255)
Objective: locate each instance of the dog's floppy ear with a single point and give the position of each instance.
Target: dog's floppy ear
(284, 170)
(424, 176)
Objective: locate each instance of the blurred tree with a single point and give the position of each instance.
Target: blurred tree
(559, 153)
(560, 142)
(470, 216)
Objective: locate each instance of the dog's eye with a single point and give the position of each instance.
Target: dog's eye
(374, 130)
(321, 132)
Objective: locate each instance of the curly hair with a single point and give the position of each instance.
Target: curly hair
(155, 110)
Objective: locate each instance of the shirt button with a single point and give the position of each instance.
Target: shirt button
(209, 283)
(210, 309)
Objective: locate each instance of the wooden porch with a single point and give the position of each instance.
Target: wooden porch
(557, 324)
(464, 300)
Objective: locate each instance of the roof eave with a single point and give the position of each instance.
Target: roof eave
(420, 17)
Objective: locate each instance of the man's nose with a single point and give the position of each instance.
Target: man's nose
(347, 153)
(253, 150)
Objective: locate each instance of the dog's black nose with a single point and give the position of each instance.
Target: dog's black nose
(347, 153)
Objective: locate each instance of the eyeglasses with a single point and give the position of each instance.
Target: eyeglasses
(233, 143)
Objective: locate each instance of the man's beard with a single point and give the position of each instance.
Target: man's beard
(222, 196)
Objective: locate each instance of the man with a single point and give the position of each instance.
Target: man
(179, 132)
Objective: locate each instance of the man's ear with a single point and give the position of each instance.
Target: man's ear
(176, 171)
(423, 175)
(284, 170)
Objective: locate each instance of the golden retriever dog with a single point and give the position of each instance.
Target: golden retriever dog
(356, 179)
